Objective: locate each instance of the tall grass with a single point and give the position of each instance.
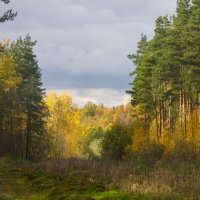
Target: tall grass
(173, 179)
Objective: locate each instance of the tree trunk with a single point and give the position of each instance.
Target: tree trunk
(160, 119)
(28, 133)
(157, 132)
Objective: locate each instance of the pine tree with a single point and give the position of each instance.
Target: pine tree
(160, 80)
(141, 88)
(30, 94)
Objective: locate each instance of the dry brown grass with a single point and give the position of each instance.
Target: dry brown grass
(181, 179)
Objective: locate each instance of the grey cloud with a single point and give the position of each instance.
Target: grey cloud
(82, 96)
(83, 44)
(56, 79)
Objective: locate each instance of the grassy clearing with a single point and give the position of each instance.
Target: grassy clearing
(83, 180)
(23, 180)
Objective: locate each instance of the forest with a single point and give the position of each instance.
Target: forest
(147, 149)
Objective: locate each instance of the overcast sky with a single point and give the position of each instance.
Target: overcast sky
(83, 44)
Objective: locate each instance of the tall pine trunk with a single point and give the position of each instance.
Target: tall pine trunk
(28, 133)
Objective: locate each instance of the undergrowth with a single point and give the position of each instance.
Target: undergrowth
(86, 180)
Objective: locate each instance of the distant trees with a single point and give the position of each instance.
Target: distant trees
(108, 133)
(90, 109)
(8, 15)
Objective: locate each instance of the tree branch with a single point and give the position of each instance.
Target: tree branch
(8, 15)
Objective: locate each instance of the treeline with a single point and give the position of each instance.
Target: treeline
(21, 100)
(94, 131)
(166, 87)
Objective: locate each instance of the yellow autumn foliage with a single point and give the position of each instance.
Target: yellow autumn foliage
(8, 76)
(63, 125)
(139, 139)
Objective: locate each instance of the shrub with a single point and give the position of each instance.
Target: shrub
(116, 143)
